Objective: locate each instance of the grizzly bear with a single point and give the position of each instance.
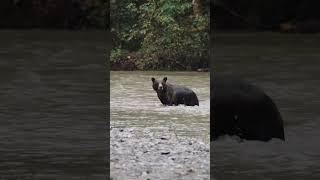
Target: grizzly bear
(170, 94)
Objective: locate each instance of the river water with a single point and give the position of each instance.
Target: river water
(150, 140)
(53, 105)
(135, 104)
(286, 66)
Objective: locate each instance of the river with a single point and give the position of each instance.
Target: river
(177, 137)
(286, 66)
(53, 105)
(135, 104)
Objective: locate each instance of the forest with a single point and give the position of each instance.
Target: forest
(160, 35)
(173, 35)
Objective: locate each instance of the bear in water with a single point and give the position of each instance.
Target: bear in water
(170, 94)
(242, 109)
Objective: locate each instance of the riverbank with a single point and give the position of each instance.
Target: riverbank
(153, 155)
(122, 60)
(133, 64)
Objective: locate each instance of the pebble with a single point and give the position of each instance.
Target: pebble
(165, 152)
(157, 155)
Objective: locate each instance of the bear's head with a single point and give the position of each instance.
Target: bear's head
(159, 86)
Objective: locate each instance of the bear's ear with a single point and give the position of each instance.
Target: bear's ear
(153, 79)
(165, 79)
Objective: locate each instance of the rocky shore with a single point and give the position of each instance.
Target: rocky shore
(143, 153)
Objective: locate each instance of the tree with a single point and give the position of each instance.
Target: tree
(167, 33)
(197, 7)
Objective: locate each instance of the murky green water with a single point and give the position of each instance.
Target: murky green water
(52, 111)
(135, 104)
(47, 81)
(286, 66)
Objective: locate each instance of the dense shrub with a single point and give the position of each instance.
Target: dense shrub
(160, 35)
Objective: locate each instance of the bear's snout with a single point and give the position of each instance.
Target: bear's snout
(160, 86)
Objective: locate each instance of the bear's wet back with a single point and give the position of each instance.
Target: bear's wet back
(242, 109)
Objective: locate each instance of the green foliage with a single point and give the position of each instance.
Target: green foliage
(165, 32)
(117, 53)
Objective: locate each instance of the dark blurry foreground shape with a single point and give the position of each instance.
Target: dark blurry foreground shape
(241, 109)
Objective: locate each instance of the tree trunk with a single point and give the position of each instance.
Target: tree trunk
(197, 7)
